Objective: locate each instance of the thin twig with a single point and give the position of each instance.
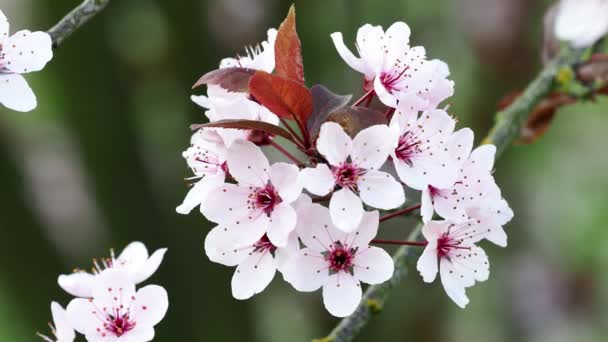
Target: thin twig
(506, 129)
(400, 212)
(399, 242)
(75, 19)
(369, 94)
(286, 153)
(295, 135)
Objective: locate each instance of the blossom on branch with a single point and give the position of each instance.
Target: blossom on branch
(358, 178)
(61, 329)
(396, 72)
(21, 53)
(581, 22)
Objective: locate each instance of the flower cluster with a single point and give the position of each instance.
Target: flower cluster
(21, 53)
(359, 159)
(107, 306)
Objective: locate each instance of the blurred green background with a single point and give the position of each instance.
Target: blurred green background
(98, 165)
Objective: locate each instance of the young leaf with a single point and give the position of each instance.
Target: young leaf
(324, 103)
(247, 124)
(356, 119)
(286, 98)
(288, 50)
(231, 79)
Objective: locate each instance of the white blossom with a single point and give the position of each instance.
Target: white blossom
(358, 178)
(261, 201)
(116, 312)
(394, 70)
(259, 57)
(21, 53)
(62, 331)
(337, 261)
(206, 157)
(581, 22)
(133, 260)
(452, 252)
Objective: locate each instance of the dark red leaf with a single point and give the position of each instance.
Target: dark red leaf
(286, 98)
(247, 124)
(541, 118)
(324, 103)
(288, 50)
(232, 79)
(356, 119)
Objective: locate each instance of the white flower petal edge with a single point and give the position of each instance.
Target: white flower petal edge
(581, 22)
(21, 53)
(337, 261)
(61, 329)
(116, 311)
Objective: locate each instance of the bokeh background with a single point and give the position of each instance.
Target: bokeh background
(98, 165)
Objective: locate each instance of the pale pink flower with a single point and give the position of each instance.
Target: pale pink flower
(21, 53)
(62, 331)
(116, 312)
(358, 178)
(259, 57)
(134, 261)
(261, 201)
(452, 252)
(206, 157)
(421, 151)
(581, 22)
(394, 70)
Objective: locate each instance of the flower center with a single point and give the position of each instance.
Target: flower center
(118, 324)
(266, 198)
(347, 175)
(264, 244)
(341, 258)
(407, 148)
(392, 78)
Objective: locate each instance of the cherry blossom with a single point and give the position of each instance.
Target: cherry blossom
(259, 57)
(337, 261)
(261, 201)
(421, 151)
(116, 312)
(62, 331)
(133, 260)
(395, 71)
(452, 252)
(358, 179)
(581, 22)
(206, 157)
(21, 53)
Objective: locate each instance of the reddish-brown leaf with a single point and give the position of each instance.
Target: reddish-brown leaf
(232, 79)
(356, 119)
(286, 98)
(247, 124)
(541, 118)
(288, 50)
(324, 103)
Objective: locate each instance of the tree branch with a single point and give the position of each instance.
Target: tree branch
(75, 19)
(506, 128)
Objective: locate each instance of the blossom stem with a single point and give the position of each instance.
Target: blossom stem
(75, 19)
(367, 96)
(506, 128)
(400, 212)
(286, 153)
(295, 135)
(400, 243)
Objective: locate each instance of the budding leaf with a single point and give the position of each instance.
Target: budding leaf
(355, 119)
(286, 98)
(324, 103)
(288, 50)
(231, 79)
(247, 124)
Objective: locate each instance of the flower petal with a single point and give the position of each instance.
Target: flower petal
(223, 247)
(380, 190)
(253, 275)
(367, 230)
(371, 147)
(112, 285)
(283, 255)
(452, 285)
(78, 284)
(307, 271)
(384, 95)
(230, 204)
(16, 94)
(316, 229)
(150, 305)
(346, 210)
(341, 294)
(396, 40)
(428, 263)
(81, 316)
(150, 266)
(282, 222)
(373, 265)
(426, 205)
(369, 44)
(199, 191)
(247, 163)
(4, 27)
(333, 143)
(350, 59)
(134, 255)
(63, 330)
(27, 51)
(286, 179)
(318, 180)
(459, 145)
